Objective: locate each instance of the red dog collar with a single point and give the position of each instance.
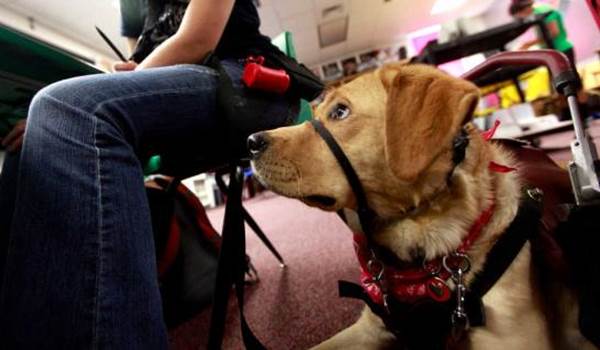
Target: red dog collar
(411, 284)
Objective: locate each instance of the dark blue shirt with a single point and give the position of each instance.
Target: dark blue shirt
(240, 37)
(133, 15)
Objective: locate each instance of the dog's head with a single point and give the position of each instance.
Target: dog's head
(396, 125)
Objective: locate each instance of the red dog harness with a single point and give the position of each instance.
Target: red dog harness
(411, 284)
(431, 279)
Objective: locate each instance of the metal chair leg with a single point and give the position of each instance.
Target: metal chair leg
(259, 232)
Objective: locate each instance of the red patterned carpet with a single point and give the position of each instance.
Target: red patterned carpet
(296, 307)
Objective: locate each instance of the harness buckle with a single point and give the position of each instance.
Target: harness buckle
(535, 193)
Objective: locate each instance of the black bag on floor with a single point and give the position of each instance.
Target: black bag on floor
(187, 250)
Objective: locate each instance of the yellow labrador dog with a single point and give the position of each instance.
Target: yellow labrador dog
(396, 126)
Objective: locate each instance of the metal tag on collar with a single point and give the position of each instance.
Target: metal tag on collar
(438, 290)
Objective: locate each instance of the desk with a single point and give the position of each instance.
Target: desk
(493, 39)
(27, 65)
(549, 130)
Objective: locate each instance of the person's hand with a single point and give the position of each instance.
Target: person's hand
(124, 66)
(14, 139)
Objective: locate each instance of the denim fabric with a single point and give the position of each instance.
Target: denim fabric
(80, 269)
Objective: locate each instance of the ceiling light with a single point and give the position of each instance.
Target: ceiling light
(442, 6)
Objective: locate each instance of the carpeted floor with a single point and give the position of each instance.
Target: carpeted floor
(295, 307)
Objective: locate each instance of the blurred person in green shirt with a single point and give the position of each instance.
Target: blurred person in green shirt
(554, 23)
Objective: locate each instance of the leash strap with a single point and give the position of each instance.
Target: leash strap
(231, 268)
(352, 290)
(364, 212)
(508, 246)
(232, 258)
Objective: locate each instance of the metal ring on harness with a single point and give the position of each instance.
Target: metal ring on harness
(376, 269)
(463, 265)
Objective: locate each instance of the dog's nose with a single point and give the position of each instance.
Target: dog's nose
(257, 143)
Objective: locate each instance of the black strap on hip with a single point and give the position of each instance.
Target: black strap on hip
(232, 120)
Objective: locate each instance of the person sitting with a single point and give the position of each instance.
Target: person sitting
(79, 269)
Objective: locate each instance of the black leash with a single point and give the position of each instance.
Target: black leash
(523, 227)
(232, 268)
(232, 259)
(365, 213)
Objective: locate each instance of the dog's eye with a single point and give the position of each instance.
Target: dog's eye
(339, 112)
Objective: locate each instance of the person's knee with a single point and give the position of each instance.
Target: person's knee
(74, 104)
(63, 111)
(82, 93)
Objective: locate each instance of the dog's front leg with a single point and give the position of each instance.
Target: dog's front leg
(368, 333)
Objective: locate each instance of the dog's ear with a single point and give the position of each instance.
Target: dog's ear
(425, 110)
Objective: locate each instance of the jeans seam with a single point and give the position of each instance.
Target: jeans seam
(96, 297)
(96, 314)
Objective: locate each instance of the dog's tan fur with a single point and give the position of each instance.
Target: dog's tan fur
(398, 137)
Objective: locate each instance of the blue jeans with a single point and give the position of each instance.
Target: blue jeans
(79, 269)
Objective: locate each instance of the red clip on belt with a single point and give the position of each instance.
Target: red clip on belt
(257, 76)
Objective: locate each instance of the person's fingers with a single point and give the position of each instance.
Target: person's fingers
(16, 144)
(16, 131)
(124, 66)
